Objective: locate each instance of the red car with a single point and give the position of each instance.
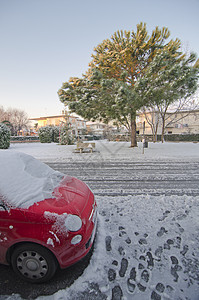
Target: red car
(46, 219)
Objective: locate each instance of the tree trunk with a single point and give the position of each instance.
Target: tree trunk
(133, 131)
(163, 129)
(156, 134)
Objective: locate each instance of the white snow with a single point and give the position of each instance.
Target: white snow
(59, 221)
(147, 245)
(110, 150)
(50, 242)
(25, 180)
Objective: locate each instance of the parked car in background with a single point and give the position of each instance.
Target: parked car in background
(47, 219)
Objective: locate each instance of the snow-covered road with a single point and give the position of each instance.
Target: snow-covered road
(147, 246)
(133, 178)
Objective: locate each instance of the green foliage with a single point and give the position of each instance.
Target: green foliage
(174, 137)
(4, 136)
(55, 134)
(128, 71)
(168, 79)
(23, 138)
(127, 53)
(197, 64)
(181, 137)
(65, 136)
(45, 134)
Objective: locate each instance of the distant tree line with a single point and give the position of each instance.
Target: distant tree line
(15, 119)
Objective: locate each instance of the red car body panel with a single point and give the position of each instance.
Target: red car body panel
(44, 223)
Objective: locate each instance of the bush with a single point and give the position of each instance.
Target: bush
(4, 136)
(65, 136)
(46, 134)
(55, 134)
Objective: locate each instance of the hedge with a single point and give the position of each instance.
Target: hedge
(23, 138)
(173, 138)
(181, 137)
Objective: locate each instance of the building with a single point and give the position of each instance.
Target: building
(77, 124)
(182, 122)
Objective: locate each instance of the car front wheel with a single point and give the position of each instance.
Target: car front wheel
(33, 263)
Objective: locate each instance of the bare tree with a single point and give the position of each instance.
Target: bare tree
(171, 114)
(152, 117)
(16, 117)
(181, 109)
(2, 114)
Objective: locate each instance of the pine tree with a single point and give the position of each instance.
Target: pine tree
(108, 90)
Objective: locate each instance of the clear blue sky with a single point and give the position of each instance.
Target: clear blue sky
(44, 42)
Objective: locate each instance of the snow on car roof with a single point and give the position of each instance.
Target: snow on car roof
(25, 180)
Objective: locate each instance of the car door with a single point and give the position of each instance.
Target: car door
(4, 229)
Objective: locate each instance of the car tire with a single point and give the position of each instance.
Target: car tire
(33, 263)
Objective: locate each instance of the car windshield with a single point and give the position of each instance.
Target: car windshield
(25, 180)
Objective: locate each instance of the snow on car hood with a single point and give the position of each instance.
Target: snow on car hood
(24, 180)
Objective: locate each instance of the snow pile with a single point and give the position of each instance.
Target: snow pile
(25, 180)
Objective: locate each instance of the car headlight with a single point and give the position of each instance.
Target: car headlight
(73, 223)
(76, 239)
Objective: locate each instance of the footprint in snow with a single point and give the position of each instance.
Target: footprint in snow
(111, 275)
(145, 276)
(175, 268)
(165, 215)
(150, 263)
(122, 233)
(177, 242)
(159, 289)
(158, 252)
(185, 249)
(108, 240)
(142, 241)
(131, 284)
(121, 250)
(161, 232)
(117, 293)
(162, 291)
(123, 267)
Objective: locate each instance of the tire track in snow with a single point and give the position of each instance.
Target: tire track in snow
(132, 178)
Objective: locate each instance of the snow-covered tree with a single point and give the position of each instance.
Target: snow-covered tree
(65, 137)
(4, 136)
(45, 134)
(55, 134)
(108, 90)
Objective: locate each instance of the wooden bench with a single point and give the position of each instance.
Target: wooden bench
(85, 147)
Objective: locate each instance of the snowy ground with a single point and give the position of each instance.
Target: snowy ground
(147, 246)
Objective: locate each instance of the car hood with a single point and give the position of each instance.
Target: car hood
(70, 197)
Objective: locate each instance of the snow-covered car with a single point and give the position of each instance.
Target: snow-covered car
(47, 219)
